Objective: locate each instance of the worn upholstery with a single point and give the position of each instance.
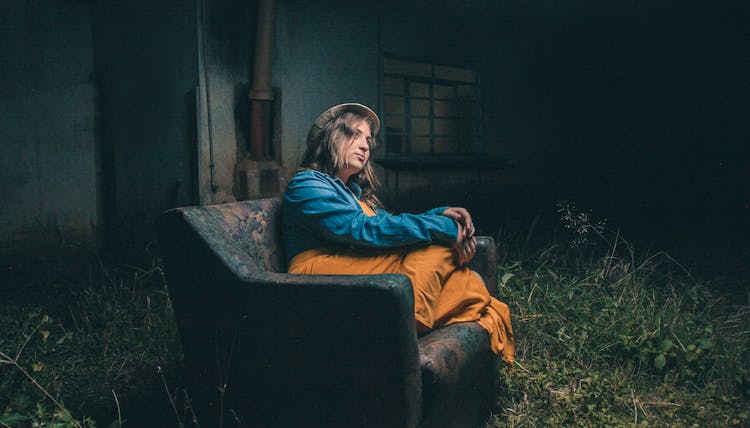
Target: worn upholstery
(312, 350)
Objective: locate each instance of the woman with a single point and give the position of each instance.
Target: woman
(333, 225)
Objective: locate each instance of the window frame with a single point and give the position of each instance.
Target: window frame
(462, 141)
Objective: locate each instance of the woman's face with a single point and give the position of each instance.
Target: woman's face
(356, 152)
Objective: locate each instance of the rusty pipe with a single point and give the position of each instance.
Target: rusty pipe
(261, 93)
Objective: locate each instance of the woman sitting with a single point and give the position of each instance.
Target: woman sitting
(333, 224)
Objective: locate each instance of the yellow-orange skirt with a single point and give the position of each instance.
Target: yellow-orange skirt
(443, 292)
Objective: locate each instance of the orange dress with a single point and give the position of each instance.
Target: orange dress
(444, 293)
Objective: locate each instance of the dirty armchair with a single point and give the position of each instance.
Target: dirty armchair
(312, 350)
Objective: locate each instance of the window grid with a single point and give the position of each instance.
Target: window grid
(456, 130)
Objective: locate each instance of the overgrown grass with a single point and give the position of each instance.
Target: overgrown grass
(608, 336)
(71, 345)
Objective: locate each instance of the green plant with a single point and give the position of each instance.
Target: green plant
(82, 337)
(56, 416)
(609, 336)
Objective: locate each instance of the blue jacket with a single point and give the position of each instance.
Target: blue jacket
(320, 211)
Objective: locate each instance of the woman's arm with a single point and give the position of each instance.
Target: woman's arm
(322, 206)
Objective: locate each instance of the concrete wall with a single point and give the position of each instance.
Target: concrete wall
(326, 53)
(146, 67)
(102, 116)
(48, 156)
(225, 45)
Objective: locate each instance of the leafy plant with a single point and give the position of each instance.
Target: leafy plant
(608, 336)
(43, 415)
(81, 337)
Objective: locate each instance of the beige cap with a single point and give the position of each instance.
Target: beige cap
(336, 111)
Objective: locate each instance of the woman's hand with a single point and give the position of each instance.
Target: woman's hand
(462, 216)
(465, 248)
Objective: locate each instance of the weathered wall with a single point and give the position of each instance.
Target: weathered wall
(146, 62)
(48, 157)
(225, 45)
(101, 115)
(325, 54)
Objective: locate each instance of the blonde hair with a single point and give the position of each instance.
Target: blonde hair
(324, 153)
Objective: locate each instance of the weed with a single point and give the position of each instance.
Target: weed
(607, 336)
(82, 337)
(580, 223)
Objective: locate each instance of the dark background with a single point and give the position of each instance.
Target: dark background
(637, 111)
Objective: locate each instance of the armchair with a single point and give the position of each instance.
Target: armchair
(285, 350)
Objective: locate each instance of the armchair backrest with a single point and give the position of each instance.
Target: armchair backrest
(245, 234)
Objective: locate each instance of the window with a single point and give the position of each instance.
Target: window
(429, 108)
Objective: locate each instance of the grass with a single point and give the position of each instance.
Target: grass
(74, 345)
(607, 335)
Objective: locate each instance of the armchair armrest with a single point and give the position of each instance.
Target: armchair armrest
(485, 263)
(459, 376)
(331, 346)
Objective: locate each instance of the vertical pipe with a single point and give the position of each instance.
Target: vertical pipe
(261, 94)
